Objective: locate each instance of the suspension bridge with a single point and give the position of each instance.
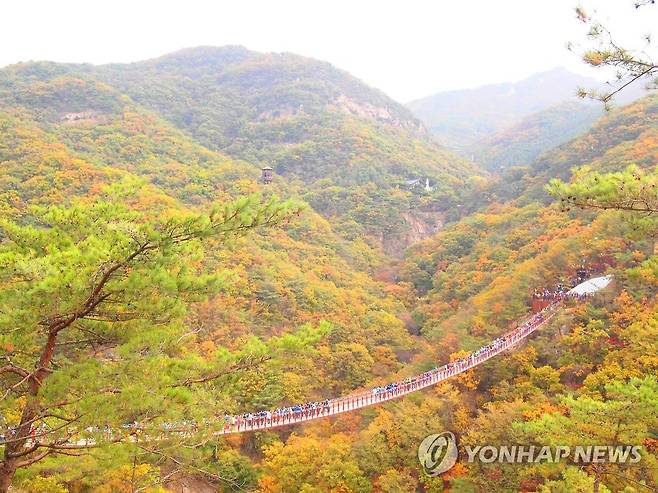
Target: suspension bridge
(264, 420)
(302, 413)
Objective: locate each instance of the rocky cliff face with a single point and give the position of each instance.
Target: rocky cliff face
(420, 225)
(348, 106)
(381, 114)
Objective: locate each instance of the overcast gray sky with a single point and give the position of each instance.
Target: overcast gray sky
(407, 48)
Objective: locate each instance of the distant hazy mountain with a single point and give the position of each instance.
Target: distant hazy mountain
(460, 118)
(524, 141)
(625, 136)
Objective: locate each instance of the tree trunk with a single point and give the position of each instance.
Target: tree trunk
(12, 460)
(7, 471)
(12, 457)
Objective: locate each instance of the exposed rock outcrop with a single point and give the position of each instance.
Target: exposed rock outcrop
(418, 226)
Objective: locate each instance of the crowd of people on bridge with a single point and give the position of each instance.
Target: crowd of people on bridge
(559, 293)
(564, 290)
(310, 410)
(314, 409)
(300, 412)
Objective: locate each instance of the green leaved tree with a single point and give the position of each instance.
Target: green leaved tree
(93, 301)
(625, 415)
(633, 191)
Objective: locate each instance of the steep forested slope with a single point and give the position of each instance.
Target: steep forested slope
(627, 135)
(461, 118)
(220, 91)
(524, 141)
(308, 120)
(476, 277)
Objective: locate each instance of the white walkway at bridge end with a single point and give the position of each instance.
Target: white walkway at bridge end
(591, 286)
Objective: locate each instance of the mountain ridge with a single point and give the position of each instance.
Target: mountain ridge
(460, 118)
(534, 134)
(311, 122)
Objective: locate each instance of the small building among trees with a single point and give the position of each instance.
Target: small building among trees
(266, 175)
(419, 184)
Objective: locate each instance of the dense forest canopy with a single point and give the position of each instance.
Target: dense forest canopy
(149, 275)
(314, 124)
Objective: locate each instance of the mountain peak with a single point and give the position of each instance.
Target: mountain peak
(270, 86)
(201, 57)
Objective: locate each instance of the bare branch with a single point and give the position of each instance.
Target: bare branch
(11, 368)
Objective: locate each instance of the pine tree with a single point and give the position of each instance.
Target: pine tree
(93, 298)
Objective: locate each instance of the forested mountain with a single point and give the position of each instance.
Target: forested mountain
(70, 142)
(522, 227)
(136, 188)
(524, 141)
(461, 119)
(71, 136)
(61, 163)
(220, 92)
(474, 280)
(627, 135)
(308, 120)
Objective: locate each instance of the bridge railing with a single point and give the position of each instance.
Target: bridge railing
(365, 399)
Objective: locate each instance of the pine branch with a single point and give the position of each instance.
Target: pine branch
(608, 97)
(241, 365)
(11, 368)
